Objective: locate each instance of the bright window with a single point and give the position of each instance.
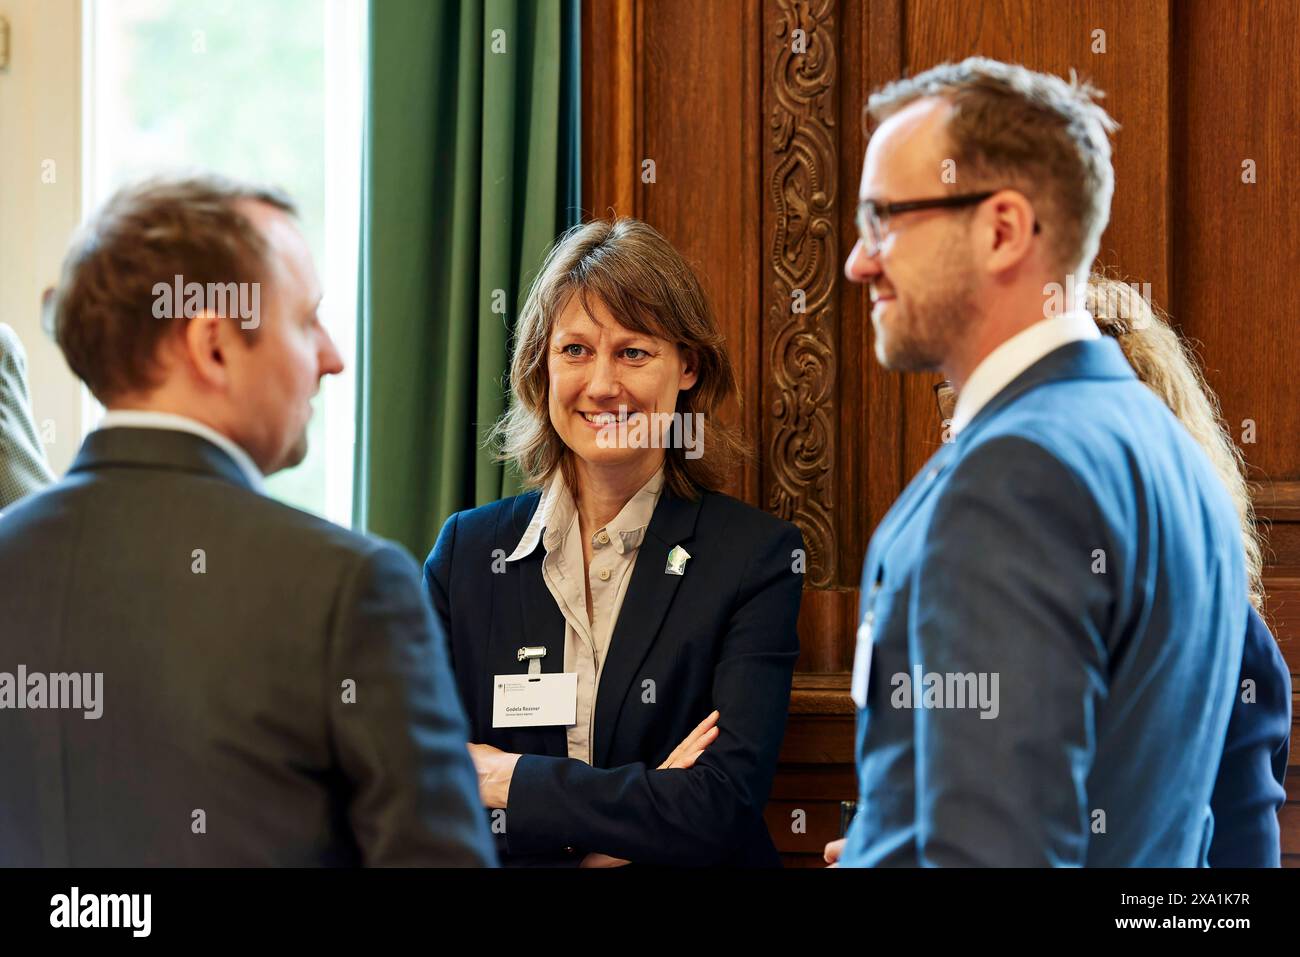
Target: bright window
(269, 91)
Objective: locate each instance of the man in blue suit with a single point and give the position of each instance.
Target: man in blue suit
(1053, 611)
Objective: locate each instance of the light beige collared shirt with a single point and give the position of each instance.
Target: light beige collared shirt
(614, 550)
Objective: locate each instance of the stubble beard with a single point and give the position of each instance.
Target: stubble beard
(921, 335)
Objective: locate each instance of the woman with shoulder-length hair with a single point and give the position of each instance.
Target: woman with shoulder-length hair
(655, 615)
(1248, 790)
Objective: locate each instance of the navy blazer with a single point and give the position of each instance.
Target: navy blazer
(1074, 543)
(721, 635)
(1251, 784)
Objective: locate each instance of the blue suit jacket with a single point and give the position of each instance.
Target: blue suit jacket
(722, 635)
(1075, 542)
(1250, 787)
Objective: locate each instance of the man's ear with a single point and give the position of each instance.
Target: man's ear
(205, 345)
(1010, 228)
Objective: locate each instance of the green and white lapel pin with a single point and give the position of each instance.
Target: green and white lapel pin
(677, 560)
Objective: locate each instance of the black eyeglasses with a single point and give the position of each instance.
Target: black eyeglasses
(873, 218)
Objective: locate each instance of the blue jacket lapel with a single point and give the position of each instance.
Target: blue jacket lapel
(1090, 359)
(648, 596)
(897, 517)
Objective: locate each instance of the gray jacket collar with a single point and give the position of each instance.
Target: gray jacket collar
(160, 449)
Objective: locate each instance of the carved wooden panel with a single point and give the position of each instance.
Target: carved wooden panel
(800, 167)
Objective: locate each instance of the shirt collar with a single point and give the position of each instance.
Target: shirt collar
(140, 419)
(1005, 363)
(627, 530)
(557, 511)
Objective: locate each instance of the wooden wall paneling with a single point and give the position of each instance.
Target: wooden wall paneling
(1281, 542)
(1277, 508)
(825, 617)
(1283, 615)
(1289, 817)
(880, 45)
(1236, 71)
(1133, 72)
(800, 298)
(830, 410)
(1233, 256)
(852, 525)
(610, 117)
(748, 353)
(817, 770)
(922, 427)
(704, 197)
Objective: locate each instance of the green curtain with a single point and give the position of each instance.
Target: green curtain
(471, 171)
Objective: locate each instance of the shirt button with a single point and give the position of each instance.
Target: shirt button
(603, 538)
(604, 574)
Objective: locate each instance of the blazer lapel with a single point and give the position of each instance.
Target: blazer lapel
(896, 519)
(648, 596)
(1089, 359)
(1099, 359)
(532, 619)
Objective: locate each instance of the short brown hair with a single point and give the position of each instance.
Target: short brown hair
(147, 233)
(1034, 132)
(635, 273)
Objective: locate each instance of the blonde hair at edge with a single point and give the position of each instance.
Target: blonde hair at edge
(1167, 367)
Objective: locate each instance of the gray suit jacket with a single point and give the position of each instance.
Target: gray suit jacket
(275, 690)
(22, 459)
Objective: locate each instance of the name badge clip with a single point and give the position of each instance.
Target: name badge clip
(533, 654)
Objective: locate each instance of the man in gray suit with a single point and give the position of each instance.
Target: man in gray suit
(190, 672)
(23, 469)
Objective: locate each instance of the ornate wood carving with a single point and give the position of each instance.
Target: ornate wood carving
(801, 170)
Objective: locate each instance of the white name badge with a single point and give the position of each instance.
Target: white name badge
(528, 701)
(861, 665)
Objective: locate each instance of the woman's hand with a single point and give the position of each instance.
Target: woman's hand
(833, 851)
(495, 769)
(684, 755)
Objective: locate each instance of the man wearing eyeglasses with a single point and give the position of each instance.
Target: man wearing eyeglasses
(1051, 614)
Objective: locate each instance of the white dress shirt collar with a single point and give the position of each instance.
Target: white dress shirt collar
(139, 419)
(1005, 363)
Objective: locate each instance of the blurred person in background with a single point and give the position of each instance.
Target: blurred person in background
(23, 469)
(1249, 789)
